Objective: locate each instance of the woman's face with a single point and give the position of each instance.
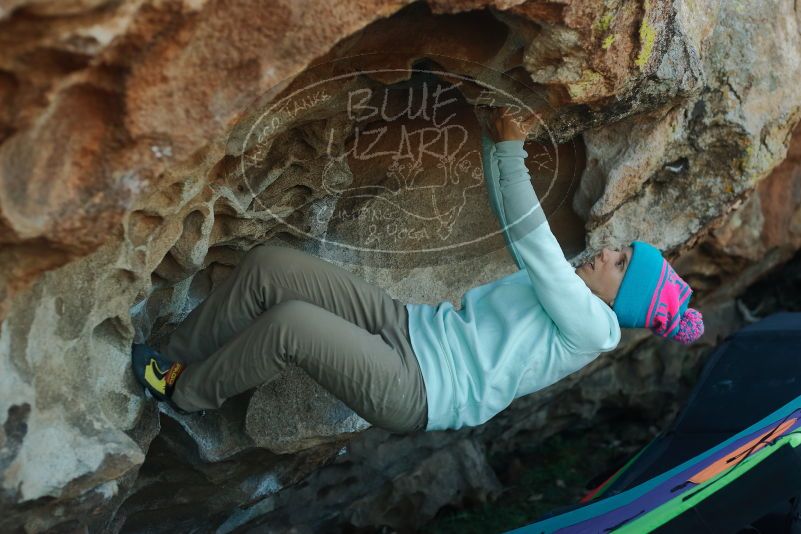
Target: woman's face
(604, 273)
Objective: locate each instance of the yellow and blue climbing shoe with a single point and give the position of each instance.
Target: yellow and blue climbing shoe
(157, 374)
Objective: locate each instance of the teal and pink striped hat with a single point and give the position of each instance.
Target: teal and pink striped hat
(653, 296)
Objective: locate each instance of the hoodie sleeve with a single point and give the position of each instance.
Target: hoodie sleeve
(585, 323)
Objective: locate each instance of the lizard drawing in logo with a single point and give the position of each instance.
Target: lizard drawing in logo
(428, 177)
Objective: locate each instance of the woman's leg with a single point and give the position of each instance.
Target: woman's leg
(267, 275)
(270, 275)
(379, 382)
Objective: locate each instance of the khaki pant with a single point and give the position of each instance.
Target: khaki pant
(283, 306)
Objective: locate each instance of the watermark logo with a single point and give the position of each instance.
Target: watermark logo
(386, 161)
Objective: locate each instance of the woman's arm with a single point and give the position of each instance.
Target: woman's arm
(491, 172)
(584, 321)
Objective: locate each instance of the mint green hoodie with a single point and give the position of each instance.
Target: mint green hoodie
(519, 333)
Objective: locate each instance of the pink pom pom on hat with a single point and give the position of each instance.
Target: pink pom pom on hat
(653, 296)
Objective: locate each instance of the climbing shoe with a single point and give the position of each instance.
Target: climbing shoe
(157, 374)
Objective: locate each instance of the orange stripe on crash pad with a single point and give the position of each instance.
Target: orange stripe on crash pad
(730, 460)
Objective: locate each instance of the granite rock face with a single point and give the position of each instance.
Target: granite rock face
(145, 146)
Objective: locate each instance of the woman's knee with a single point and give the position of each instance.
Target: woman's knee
(283, 324)
(265, 255)
(289, 311)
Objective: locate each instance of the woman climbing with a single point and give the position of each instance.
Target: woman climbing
(410, 366)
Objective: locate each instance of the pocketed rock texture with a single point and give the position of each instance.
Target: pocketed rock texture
(145, 146)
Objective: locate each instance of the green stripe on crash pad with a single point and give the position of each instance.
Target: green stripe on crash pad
(602, 506)
(682, 503)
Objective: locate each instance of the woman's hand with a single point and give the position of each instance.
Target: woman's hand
(504, 126)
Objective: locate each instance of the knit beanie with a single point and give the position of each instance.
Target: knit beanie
(653, 296)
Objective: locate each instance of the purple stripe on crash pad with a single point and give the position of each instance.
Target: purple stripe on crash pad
(661, 493)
